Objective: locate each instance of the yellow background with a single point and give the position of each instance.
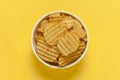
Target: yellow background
(102, 61)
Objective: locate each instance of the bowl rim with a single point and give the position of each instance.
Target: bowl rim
(33, 42)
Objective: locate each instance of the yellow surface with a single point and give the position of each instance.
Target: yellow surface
(102, 61)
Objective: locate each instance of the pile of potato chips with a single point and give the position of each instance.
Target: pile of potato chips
(60, 39)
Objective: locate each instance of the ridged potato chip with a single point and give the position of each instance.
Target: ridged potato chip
(78, 29)
(68, 21)
(68, 43)
(57, 14)
(52, 33)
(82, 46)
(46, 52)
(59, 18)
(42, 26)
(65, 60)
(37, 36)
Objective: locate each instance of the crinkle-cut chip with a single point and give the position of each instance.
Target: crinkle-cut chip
(50, 24)
(57, 14)
(55, 19)
(68, 21)
(42, 26)
(52, 33)
(66, 60)
(68, 43)
(45, 52)
(63, 15)
(85, 39)
(77, 52)
(82, 46)
(60, 18)
(69, 26)
(81, 43)
(78, 29)
(37, 36)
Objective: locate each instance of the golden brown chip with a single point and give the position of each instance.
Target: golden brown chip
(45, 52)
(37, 36)
(52, 33)
(68, 43)
(65, 60)
(63, 15)
(78, 29)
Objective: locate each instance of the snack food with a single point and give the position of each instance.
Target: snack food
(60, 39)
(47, 53)
(65, 60)
(68, 43)
(78, 29)
(53, 31)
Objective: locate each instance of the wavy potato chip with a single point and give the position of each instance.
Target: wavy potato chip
(42, 26)
(59, 18)
(68, 43)
(82, 46)
(69, 22)
(78, 29)
(46, 52)
(57, 14)
(65, 60)
(37, 36)
(52, 33)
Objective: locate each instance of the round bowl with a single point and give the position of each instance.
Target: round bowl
(34, 45)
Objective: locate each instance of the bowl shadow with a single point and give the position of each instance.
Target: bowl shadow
(57, 74)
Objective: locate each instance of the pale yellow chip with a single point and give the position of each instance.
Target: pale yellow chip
(68, 43)
(68, 21)
(45, 52)
(85, 39)
(78, 29)
(42, 26)
(59, 18)
(66, 60)
(53, 32)
(57, 14)
(82, 46)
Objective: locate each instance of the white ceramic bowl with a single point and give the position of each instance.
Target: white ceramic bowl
(34, 45)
